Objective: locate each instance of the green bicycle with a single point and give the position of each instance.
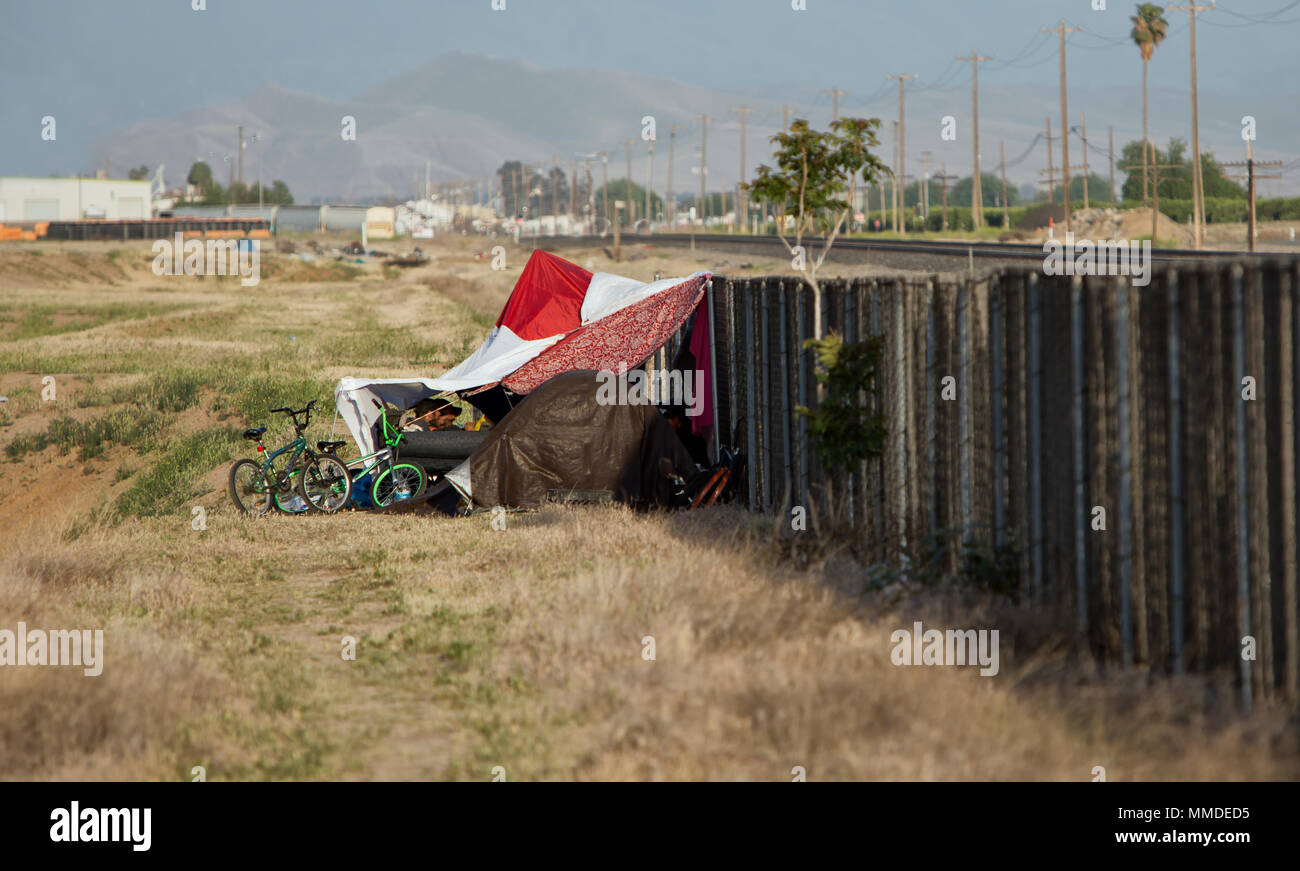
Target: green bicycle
(381, 481)
(303, 481)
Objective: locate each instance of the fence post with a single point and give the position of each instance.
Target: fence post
(733, 417)
(751, 433)
(713, 368)
(1122, 420)
(1177, 506)
(1290, 344)
(1036, 436)
(801, 356)
(786, 412)
(931, 405)
(765, 391)
(1243, 508)
(900, 410)
(964, 435)
(1077, 385)
(999, 441)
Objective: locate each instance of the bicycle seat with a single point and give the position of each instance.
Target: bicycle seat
(328, 447)
(254, 434)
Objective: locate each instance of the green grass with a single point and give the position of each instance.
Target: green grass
(174, 478)
(89, 437)
(30, 322)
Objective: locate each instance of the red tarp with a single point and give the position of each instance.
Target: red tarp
(547, 299)
(625, 338)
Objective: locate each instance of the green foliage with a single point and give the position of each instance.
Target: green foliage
(813, 170)
(239, 193)
(1149, 28)
(844, 430)
(1098, 190)
(89, 437)
(541, 193)
(633, 193)
(200, 175)
(1176, 184)
(139, 173)
(960, 193)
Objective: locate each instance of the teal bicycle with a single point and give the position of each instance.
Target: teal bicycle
(293, 478)
(378, 480)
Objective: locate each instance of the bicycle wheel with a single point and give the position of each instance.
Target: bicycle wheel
(290, 502)
(325, 484)
(248, 488)
(397, 483)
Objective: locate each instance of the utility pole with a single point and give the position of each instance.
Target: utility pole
(604, 186)
(1051, 172)
(649, 181)
(893, 185)
(704, 161)
(239, 177)
(1114, 195)
(590, 205)
(631, 203)
(977, 189)
(1083, 134)
(1250, 165)
(944, 178)
(573, 187)
(742, 202)
(1154, 169)
(1062, 30)
(902, 133)
(835, 102)
(672, 199)
(555, 192)
(1198, 183)
(926, 160)
(1006, 220)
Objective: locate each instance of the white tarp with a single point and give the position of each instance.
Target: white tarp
(502, 353)
(609, 293)
(355, 398)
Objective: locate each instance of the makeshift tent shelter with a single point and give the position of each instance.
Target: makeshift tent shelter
(559, 318)
(563, 436)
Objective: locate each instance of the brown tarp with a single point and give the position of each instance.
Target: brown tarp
(561, 438)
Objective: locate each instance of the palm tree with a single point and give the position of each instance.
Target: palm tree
(1149, 30)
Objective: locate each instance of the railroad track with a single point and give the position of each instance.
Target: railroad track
(970, 251)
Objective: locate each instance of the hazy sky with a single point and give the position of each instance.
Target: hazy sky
(97, 65)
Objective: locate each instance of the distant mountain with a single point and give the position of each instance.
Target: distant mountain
(466, 114)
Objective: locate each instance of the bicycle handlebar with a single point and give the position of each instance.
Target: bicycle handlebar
(294, 414)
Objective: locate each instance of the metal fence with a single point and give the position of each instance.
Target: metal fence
(1131, 451)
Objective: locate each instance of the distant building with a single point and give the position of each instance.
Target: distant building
(72, 199)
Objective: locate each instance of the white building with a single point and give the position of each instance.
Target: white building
(72, 199)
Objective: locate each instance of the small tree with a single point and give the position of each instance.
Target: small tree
(813, 170)
(200, 175)
(844, 429)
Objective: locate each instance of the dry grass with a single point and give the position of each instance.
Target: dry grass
(476, 648)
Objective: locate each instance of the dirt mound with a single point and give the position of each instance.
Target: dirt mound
(1127, 224)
